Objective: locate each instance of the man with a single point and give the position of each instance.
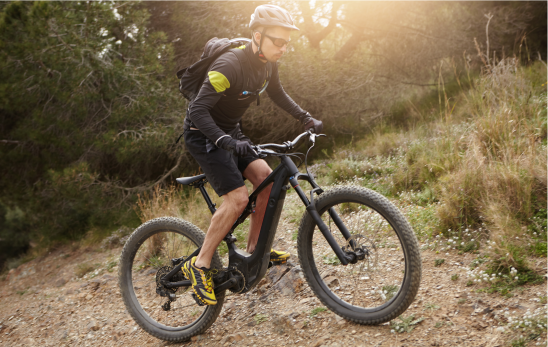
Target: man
(213, 136)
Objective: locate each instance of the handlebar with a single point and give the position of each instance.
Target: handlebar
(269, 148)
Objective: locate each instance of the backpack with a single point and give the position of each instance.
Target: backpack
(191, 78)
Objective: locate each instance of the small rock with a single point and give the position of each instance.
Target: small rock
(331, 281)
(198, 338)
(239, 337)
(305, 300)
(320, 341)
(290, 284)
(378, 334)
(89, 297)
(106, 278)
(60, 282)
(93, 326)
(282, 324)
(276, 272)
(228, 339)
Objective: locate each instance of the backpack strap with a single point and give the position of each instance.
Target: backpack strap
(242, 57)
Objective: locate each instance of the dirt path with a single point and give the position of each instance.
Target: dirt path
(44, 303)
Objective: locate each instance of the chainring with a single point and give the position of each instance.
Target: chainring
(242, 281)
(162, 272)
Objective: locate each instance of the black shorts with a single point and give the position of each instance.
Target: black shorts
(222, 168)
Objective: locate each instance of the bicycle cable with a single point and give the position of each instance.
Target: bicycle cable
(306, 158)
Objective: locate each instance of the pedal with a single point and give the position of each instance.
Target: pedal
(197, 300)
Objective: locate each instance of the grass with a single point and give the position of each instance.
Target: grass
(390, 290)
(83, 269)
(478, 164)
(438, 262)
(260, 318)
(455, 277)
(317, 310)
(505, 284)
(331, 260)
(430, 306)
(406, 324)
(110, 265)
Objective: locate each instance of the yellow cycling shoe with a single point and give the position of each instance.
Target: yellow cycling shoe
(279, 257)
(202, 282)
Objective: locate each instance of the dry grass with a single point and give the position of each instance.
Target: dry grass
(501, 179)
(172, 202)
(483, 158)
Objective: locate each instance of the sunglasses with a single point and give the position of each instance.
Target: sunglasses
(278, 42)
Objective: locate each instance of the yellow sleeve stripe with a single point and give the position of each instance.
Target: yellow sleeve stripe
(241, 47)
(218, 81)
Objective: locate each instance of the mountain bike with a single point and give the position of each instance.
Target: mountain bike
(358, 253)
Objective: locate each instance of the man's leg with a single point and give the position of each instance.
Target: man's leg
(256, 172)
(233, 205)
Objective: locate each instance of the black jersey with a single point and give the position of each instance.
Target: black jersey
(219, 105)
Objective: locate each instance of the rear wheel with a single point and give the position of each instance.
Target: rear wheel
(377, 288)
(145, 258)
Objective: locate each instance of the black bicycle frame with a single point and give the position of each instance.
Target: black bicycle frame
(254, 266)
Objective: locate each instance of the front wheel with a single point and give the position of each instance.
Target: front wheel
(383, 284)
(170, 314)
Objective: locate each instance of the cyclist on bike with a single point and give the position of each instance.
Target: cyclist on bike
(214, 138)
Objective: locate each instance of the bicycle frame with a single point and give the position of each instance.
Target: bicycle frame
(254, 266)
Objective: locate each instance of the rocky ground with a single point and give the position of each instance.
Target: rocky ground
(45, 303)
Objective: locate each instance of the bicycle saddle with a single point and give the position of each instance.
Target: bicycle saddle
(190, 180)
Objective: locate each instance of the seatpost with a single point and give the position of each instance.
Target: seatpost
(209, 203)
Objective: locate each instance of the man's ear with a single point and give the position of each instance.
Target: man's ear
(257, 36)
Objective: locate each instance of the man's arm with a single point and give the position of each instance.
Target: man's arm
(277, 93)
(221, 76)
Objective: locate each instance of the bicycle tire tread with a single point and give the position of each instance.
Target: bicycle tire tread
(185, 227)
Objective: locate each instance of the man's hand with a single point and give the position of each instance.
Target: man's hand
(236, 147)
(312, 124)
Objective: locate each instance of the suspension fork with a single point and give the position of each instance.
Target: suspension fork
(344, 257)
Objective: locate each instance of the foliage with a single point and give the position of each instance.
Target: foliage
(86, 111)
(83, 269)
(430, 306)
(389, 291)
(260, 318)
(407, 324)
(89, 109)
(317, 310)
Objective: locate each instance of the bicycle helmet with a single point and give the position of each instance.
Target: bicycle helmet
(271, 16)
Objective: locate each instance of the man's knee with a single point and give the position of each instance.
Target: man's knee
(257, 171)
(238, 198)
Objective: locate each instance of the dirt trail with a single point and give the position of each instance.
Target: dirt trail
(44, 303)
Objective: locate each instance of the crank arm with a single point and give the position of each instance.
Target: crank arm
(178, 267)
(185, 283)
